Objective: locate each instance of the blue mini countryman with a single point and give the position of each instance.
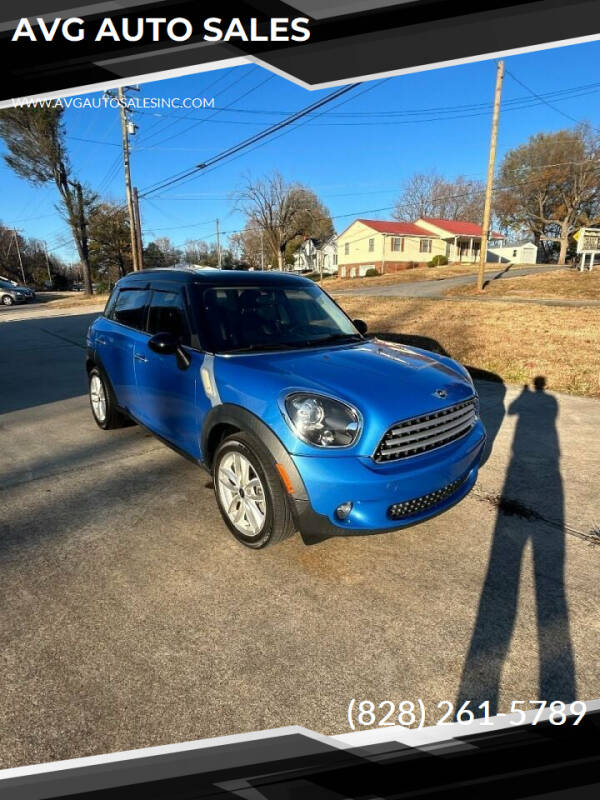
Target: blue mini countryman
(304, 421)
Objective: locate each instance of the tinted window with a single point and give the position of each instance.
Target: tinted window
(130, 308)
(259, 317)
(167, 315)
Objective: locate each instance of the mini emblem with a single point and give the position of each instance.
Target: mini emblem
(441, 393)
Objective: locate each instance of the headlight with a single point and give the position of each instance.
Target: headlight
(322, 421)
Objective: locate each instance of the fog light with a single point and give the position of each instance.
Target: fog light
(343, 510)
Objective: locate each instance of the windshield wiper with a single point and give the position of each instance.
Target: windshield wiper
(257, 348)
(338, 337)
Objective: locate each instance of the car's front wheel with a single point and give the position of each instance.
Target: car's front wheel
(249, 492)
(7, 300)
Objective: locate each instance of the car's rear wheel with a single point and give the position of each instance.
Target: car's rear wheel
(103, 404)
(7, 300)
(249, 492)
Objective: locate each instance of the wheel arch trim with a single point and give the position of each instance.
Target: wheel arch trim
(244, 420)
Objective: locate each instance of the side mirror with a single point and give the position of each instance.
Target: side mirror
(165, 344)
(360, 325)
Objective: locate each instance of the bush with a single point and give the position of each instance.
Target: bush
(370, 273)
(438, 261)
(60, 283)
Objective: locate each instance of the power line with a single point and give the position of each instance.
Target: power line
(560, 94)
(209, 118)
(304, 121)
(236, 79)
(247, 142)
(541, 98)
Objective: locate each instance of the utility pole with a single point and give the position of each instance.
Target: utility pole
(487, 209)
(262, 252)
(126, 167)
(138, 229)
(47, 262)
(19, 254)
(218, 245)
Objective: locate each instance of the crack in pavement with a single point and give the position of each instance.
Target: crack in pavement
(512, 507)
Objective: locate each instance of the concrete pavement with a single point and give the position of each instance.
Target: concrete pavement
(131, 617)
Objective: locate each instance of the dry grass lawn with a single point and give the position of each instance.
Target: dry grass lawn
(564, 284)
(70, 299)
(406, 275)
(513, 342)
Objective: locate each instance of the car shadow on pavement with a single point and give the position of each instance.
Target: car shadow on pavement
(535, 466)
(490, 386)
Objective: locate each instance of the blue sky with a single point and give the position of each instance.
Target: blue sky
(355, 156)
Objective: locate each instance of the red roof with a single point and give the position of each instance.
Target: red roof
(460, 228)
(397, 228)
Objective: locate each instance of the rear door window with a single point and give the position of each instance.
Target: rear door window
(130, 308)
(167, 315)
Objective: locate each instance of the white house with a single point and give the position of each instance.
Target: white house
(314, 255)
(521, 253)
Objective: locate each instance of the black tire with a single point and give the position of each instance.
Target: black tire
(7, 300)
(278, 523)
(112, 418)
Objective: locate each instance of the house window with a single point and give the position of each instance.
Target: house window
(347, 249)
(371, 245)
(335, 258)
(425, 246)
(397, 244)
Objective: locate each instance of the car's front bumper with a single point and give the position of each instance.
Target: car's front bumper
(372, 488)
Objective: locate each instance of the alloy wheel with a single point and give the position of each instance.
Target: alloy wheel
(98, 398)
(241, 493)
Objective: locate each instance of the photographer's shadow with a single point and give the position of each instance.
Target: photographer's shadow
(533, 472)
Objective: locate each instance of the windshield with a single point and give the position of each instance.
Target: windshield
(254, 318)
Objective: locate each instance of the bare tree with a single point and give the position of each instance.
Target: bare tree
(196, 251)
(427, 194)
(550, 186)
(284, 212)
(171, 254)
(35, 139)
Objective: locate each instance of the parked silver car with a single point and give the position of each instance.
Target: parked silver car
(11, 293)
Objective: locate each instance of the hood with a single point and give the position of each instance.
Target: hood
(385, 381)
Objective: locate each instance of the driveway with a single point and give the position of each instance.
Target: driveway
(436, 288)
(131, 617)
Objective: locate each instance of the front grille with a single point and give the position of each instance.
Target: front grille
(427, 432)
(417, 505)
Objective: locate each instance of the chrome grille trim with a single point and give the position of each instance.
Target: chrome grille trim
(427, 432)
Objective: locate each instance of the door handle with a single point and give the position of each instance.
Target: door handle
(101, 340)
(140, 357)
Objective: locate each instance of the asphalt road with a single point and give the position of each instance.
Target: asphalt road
(131, 617)
(436, 288)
